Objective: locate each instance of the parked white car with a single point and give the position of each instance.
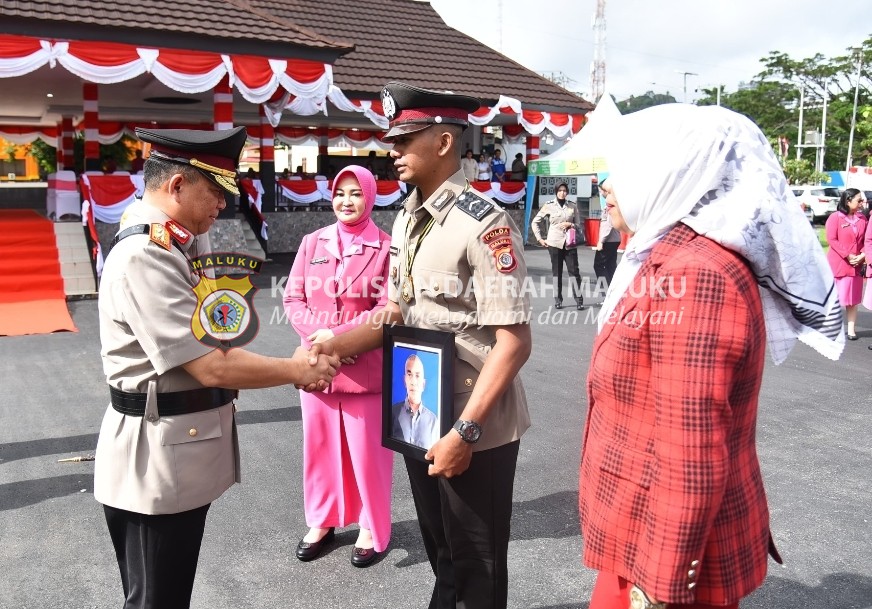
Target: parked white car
(821, 200)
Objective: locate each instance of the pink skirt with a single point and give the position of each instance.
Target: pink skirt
(850, 290)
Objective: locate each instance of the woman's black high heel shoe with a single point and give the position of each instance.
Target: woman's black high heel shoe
(309, 551)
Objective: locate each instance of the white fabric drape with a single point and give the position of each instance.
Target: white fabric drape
(714, 170)
(133, 61)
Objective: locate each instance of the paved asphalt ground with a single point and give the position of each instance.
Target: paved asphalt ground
(814, 437)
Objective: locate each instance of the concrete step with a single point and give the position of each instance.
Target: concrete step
(252, 245)
(75, 259)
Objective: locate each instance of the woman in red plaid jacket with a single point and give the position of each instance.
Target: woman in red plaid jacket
(673, 509)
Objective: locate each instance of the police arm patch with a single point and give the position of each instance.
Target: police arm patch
(499, 241)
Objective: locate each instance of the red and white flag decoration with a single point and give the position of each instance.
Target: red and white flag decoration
(256, 78)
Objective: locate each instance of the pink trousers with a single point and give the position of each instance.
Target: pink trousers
(346, 473)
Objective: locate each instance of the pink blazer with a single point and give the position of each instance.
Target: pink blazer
(843, 241)
(867, 248)
(315, 298)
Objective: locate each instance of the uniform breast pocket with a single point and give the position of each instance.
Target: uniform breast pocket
(187, 428)
(441, 287)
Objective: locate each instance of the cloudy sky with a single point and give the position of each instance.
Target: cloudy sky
(649, 43)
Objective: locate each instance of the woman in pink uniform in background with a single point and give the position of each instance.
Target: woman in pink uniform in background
(338, 276)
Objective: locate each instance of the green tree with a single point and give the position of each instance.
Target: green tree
(121, 152)
(639, 102)
(832, 80)
(45, 156)
(801, 171)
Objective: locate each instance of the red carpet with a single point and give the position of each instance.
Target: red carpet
(32, 297)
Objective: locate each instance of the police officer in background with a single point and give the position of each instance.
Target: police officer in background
(168, 445)
(454, 266)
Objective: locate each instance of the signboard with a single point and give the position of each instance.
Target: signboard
(541, 167)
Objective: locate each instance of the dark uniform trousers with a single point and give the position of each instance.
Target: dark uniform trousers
(465, 523)
(605, 261)
(157, 555)
(570, 256)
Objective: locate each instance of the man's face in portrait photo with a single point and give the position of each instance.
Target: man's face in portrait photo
(415, 380)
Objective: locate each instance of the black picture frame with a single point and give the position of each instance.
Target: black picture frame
(434, 350)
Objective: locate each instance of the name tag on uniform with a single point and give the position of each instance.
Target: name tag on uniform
(322, 260)
(394, 251)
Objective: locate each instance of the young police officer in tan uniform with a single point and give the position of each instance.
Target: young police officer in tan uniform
(454, 266)
(168, 445)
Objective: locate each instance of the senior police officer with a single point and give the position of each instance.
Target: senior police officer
(454, 266)
(168, 445)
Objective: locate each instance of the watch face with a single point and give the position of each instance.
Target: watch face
(470, 431)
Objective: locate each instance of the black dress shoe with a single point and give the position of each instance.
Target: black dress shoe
(309, 551)
(363, 557)
(580, 306)
(558, 304)
(869, 347)
(852, 337)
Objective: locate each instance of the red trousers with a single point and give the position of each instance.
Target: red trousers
(613, 592)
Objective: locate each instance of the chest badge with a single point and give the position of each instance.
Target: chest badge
(408, 290)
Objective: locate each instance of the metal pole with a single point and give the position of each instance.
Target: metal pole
(719, 95)
(686, 74)
(823, 145)
(854, 113)
(799, 133)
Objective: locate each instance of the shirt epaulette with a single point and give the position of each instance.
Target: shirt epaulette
(471, 203)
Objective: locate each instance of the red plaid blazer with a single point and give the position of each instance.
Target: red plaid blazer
(671, 496)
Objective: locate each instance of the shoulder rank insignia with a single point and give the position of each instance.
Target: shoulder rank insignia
(179, 234)
(160, 235)
(442, 200)
(473, 204)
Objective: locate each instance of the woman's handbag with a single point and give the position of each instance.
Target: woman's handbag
(570, 237)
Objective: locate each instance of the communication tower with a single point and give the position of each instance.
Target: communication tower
(598, 65)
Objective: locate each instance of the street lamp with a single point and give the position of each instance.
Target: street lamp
(686, 74)
(859, 52)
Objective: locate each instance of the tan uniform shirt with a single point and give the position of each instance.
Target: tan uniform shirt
(153, 464)
(556, 214)
(467, 277)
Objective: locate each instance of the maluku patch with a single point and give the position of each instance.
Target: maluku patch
(499, 240)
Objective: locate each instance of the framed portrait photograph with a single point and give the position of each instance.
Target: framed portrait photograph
(417, 388)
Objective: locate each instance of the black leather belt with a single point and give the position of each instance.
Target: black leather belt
(174, 402)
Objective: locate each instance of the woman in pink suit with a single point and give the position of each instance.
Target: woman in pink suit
(846, 229)
(337, 279)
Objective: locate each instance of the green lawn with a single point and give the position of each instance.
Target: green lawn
(822, 237)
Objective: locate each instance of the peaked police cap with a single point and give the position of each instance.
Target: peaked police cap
(214, 153)
(411, 109)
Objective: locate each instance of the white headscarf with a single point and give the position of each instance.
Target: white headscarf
(713, 170)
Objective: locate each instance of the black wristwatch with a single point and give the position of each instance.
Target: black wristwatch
(469, 431)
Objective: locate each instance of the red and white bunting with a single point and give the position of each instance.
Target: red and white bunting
(256, 78)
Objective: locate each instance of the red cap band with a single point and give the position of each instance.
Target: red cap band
(422, 114)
